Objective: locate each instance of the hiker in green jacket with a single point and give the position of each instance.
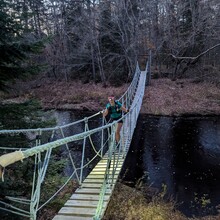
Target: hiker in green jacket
(114, 109)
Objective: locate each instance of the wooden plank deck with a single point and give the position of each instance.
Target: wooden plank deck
(83, 203)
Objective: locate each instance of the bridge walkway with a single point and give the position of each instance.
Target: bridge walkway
(91, 199)
(83, 203)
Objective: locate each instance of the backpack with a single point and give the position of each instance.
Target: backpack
(116, 107)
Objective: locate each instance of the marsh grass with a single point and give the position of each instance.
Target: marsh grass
(129, 203)
(132, 204)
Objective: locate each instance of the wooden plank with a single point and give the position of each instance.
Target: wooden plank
(79, 211)
(98, 174)
(116, 156)
(91, 191)
(95, 176)
(91, 185)
(66, 217)
(104, 168)
(101, 170)
(105, 157)
(98, 181)
(83, 203)
(88, 197)
(105, 162)
(105, 165)
(101, 174)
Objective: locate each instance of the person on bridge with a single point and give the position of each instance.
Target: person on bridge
(114, 109)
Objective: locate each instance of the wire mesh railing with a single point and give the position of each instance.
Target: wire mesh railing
(43, 151)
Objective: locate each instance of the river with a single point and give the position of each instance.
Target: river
(180, 155)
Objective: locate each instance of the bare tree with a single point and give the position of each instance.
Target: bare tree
(102, 40)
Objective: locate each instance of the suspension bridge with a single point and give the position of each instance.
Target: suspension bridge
(90, 199)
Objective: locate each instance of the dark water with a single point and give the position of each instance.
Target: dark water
(182, 154)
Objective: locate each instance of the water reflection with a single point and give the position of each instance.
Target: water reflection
(157, 157)
(209, 138)
(182, 153)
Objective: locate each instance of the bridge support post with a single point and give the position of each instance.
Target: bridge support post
(102, 140)
(83, 154)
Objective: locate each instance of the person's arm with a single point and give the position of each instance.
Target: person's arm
(124, 109)
(105, 112)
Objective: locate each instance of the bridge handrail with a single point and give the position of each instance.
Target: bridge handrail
(13, 157)
(128, 91)
(134, 104)
(49, 128)
(135, 77)
(10, 158)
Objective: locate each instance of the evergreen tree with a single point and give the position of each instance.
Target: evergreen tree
(14, 48)
(78, 29)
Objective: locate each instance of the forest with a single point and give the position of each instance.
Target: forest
(68, 56)
(101, 40)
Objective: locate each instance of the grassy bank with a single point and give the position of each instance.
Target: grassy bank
(130, 203)
(137, 204)
(167, 97)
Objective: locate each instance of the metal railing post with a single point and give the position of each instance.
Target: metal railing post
(83, 153)
(126, 100)
(102, 138)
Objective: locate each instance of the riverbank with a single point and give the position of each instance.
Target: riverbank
(162, 97)
(140, 203)
(167, 97)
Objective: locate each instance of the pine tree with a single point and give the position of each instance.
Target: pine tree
(14, 48)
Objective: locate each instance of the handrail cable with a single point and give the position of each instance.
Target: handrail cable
(132, 99)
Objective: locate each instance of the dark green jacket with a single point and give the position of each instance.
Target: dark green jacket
(114, 111)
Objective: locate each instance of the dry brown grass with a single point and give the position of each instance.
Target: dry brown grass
(162, 97)
(75, 95)
(130, 204)
(168, 97)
